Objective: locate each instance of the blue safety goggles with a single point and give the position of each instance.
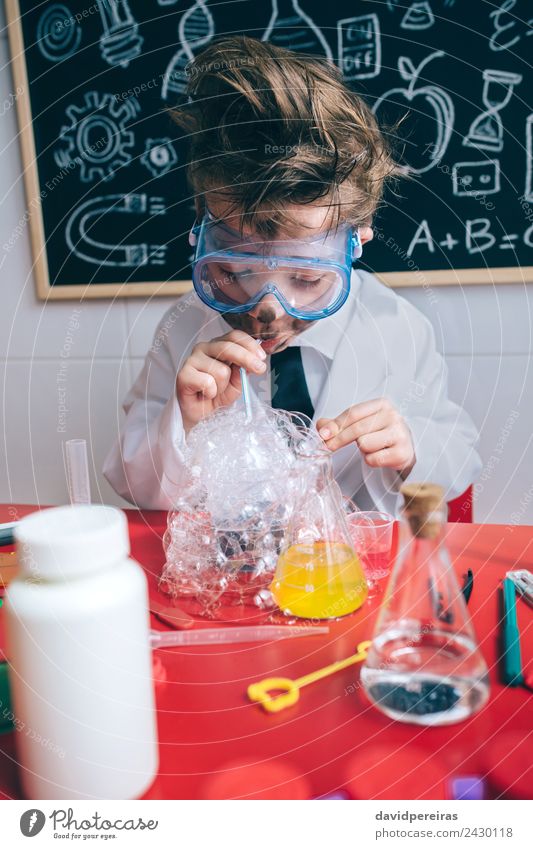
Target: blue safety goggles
(309, 277)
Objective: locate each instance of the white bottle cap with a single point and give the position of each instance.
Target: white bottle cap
(67, 542)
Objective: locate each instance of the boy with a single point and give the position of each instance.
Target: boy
(287, 168)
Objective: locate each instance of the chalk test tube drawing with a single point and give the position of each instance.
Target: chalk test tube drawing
(159, 156)
(418, 16)
(359, 45)
(97, 138)
(472, 179)
(58, 33)
(96, 210)
(528, 192)
(486, 131)
(196, 29)
(508, 28)
(120, 41)
(291, 27)
(432, 96)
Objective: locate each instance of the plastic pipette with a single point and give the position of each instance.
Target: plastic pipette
(216, 636)
(79, 488)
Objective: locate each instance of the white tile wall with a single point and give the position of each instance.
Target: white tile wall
(484, 332)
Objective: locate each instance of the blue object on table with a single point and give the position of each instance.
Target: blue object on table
(467, 787)
(6, 533)
(512, 659)
(6, 722)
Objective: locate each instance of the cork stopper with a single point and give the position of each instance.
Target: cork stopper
(422, 502)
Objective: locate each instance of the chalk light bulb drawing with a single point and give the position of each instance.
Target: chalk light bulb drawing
(120, 41)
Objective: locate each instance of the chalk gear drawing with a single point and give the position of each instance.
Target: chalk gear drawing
(97, 137)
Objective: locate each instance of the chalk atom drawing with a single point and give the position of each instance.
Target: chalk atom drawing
(418, 16)
(291, 27)
(486, 130)
(97, 137)
(196, 29)
(159, 156)
(93, 213)
(120, 41)
(472, 179)
(58, 33)
(359, 46)
(436, 102)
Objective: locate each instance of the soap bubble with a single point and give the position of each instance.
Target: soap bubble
(224, 536)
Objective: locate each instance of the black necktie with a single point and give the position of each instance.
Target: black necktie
(287, 380)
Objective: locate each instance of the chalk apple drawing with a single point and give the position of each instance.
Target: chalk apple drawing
(439, 105)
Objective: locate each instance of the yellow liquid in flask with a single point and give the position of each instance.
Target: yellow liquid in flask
(319, 581)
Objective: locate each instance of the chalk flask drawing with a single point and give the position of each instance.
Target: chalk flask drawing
(291, 27)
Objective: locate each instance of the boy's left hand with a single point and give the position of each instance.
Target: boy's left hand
(380, 432)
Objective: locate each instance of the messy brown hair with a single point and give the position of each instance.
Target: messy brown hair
(270, 127)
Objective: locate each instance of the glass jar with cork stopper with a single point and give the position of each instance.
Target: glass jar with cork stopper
(424, 665)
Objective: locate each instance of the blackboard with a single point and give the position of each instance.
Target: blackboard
(104, 165)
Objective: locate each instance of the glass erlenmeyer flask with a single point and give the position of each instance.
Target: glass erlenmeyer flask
(424, 664)
(291, 27)
(318, 574)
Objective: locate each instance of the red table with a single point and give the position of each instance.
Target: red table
(205, 720)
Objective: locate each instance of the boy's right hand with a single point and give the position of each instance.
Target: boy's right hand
(210, 376)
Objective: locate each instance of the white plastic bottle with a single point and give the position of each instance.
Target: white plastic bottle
(80, 657)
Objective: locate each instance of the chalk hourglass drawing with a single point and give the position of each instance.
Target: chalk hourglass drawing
(196, 29)
(120, 41)
(291, 27)
(486, 131)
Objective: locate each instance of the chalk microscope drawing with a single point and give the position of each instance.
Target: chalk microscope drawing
(159, 156)
(196, 29)
(528, 191)
(439, 100)
(472, 179)
(418, 16)
(58, 33)
(486, 131)
(120, 41)
(97, 137)
(359, 47)
(291, 27)
(101, 253)
(507, 27)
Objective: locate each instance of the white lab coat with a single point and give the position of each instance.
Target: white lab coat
(377, 345)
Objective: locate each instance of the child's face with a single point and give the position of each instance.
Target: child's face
(268, 320)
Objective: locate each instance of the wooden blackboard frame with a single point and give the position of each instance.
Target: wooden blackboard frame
(75, 291)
